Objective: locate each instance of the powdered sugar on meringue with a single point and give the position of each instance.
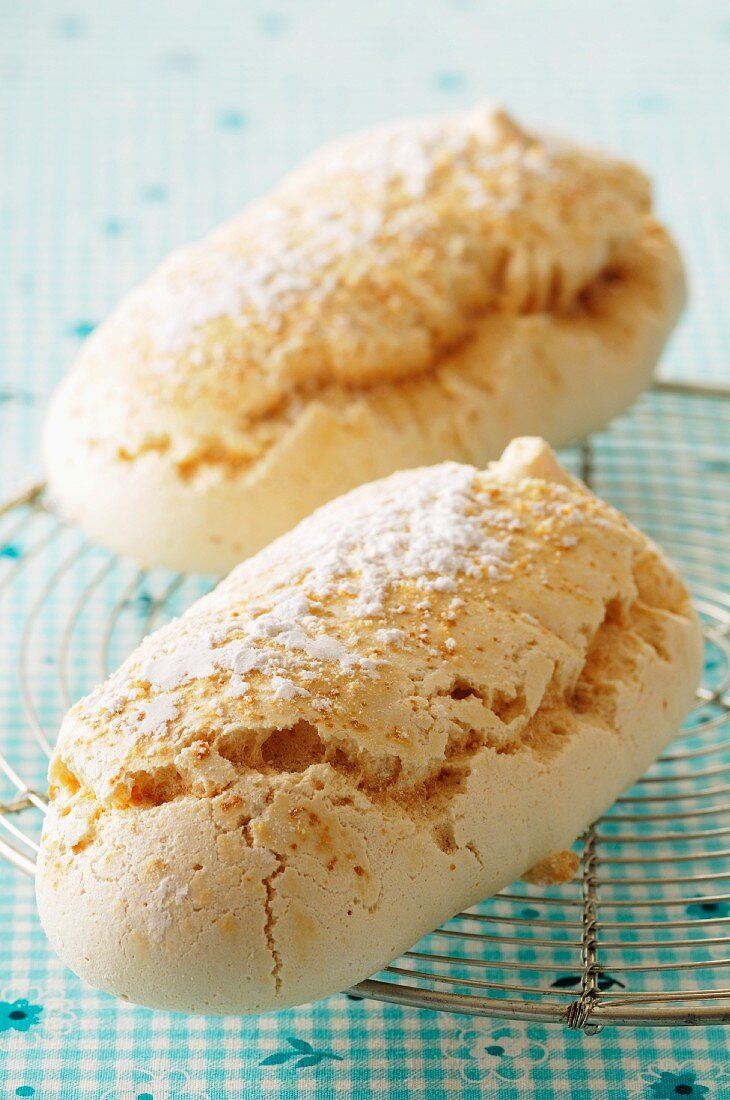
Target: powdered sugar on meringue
(425, 526)
(291, 249)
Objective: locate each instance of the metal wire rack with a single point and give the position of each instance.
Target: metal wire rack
(642, 936)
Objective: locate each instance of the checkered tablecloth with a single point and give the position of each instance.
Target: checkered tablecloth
(126, 129)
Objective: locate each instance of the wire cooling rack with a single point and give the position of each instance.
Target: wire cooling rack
(642, 935)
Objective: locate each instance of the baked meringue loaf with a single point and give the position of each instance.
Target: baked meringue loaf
(422, 292)
(427, 688)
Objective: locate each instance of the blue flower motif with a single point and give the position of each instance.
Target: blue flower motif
(303, 1051)
(450, 81)
(715, 465)
(154, 192)
(142, 602)
(708, 909)
(71, 26)
(651, 102)
(232, 120)
(572, 981)
(273, 24)
(82, 329)
(18, 1015)
(22, 397)
(674, 1086)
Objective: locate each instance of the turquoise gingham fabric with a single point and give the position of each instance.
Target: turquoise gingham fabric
(128, 129)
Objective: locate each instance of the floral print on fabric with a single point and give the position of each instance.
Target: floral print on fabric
(504, 1052)
(144, 1084)
(38, 1013)
(300, 1054)
(19, 1015)
(678, 1079)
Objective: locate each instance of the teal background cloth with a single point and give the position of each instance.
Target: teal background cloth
(129, 128)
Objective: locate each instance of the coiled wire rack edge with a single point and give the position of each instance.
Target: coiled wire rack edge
(642, 935)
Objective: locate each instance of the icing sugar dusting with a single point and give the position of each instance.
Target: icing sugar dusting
(292, 245)
(426, 526)
(423, 527)
(287, 689)
(163, 900)
(156, 713)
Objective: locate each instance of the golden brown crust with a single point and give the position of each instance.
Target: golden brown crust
(553, 870)
(370, 264)
(284, 652)
(421, 293)
(428, 687)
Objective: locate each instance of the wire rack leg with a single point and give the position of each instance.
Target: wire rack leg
(578, 1013)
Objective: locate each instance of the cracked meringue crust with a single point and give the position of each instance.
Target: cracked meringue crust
(425, 291)
(425, 690)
